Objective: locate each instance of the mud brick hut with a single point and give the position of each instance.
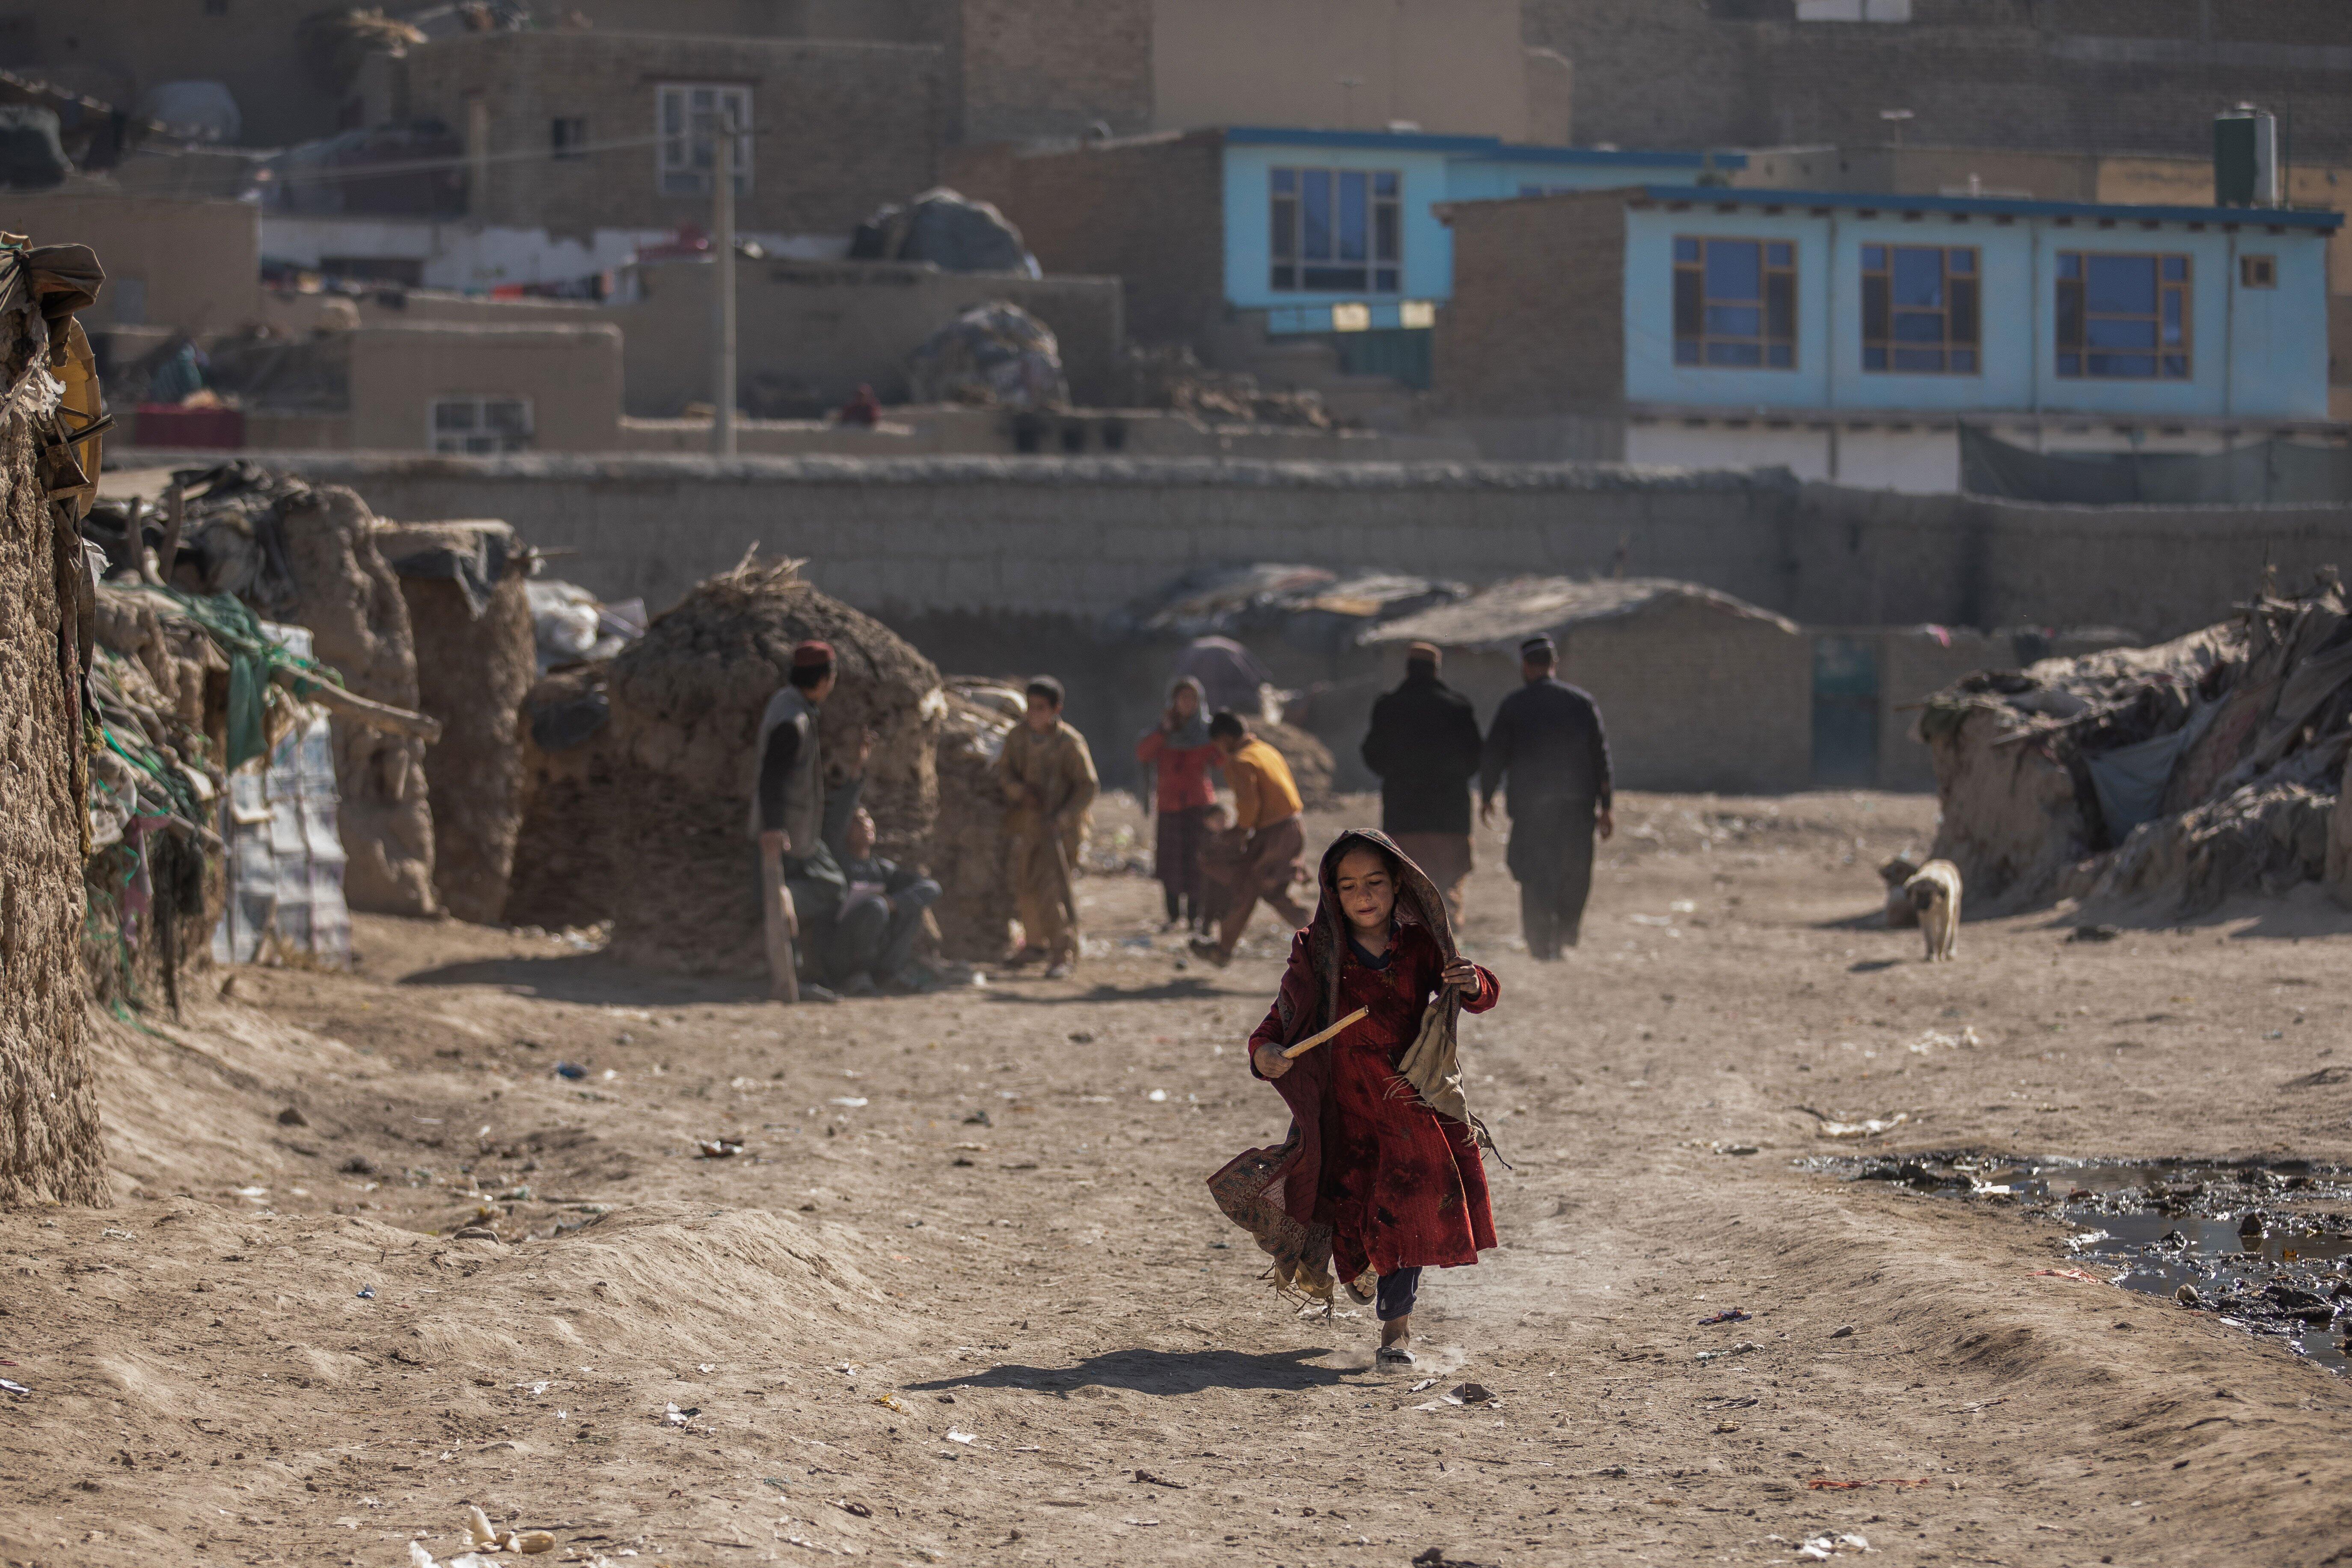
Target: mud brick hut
(306, 555)
(2168, 778)
(565, 850)
(49, 1148)
(469, 619)
(686, 700)
(1699, 690)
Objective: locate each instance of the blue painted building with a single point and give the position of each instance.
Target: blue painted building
(1315, 220)
(1848, 335)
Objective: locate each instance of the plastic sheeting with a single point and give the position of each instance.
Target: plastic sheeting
(285, 853)
(2130, 780)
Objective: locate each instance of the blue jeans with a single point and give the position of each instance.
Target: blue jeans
(1397, 1292)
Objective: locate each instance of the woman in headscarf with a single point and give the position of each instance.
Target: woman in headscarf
(1178, 753)
(1380, 1175)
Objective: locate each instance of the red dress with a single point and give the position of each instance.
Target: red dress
(1400, 1185)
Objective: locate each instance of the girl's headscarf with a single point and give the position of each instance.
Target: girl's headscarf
(1193, 732)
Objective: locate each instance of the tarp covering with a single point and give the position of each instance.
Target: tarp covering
(2274, 471)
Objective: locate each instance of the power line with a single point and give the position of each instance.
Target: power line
(309, 174)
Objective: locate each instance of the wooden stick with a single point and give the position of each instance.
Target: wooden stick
(175, 512)
(1311, 1041)
(359, 710)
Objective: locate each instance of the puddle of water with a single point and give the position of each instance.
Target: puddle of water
(2268, 1249)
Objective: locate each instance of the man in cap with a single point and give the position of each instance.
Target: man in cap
(1264, 851)
(1048, 777)
(1423, 746)
(788, 802)
(1546, 739)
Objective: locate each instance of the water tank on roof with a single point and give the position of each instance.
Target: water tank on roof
(2245, 158)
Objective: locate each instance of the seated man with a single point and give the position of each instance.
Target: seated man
(871, 941)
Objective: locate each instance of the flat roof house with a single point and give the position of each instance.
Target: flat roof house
(1231, 238)
(1849, 335)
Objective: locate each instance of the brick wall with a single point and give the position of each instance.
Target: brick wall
(2061, 75)
(1537, 322)
(1148, 210)
(841, 127)
(1043, 69)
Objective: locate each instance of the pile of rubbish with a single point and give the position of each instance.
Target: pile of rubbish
(2179, 774)
(573, 627)
(947, 230)
(1173, 378)
(685, 702)
(992, 354)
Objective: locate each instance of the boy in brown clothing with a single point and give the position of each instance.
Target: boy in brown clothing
(1273, 837)
(1048, 777)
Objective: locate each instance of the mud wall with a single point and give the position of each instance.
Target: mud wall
(48, 1101)
(474, 665)
(1080, 536)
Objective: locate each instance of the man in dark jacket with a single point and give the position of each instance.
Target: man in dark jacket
(1547, 736)
(1423, 745)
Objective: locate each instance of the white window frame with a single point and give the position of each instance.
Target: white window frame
(461, 443)
(684, 151)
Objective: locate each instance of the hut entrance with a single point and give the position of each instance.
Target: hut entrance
(1845, 712)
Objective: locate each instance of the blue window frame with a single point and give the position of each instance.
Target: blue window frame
(2123, 318)
(1336, 231)
(1735, 303)
(1920, 310)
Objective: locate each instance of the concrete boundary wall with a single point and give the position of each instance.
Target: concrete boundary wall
(1080, 537)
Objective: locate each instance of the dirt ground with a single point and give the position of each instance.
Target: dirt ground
(963, 1297)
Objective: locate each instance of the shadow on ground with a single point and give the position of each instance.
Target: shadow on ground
(1160, 1371)
(586, 977)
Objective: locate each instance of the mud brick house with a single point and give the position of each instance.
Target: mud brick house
(1849, 335)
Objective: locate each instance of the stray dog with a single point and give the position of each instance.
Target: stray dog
(1897, 874)
(1936, 894)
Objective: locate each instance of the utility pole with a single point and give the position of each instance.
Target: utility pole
(722, 258)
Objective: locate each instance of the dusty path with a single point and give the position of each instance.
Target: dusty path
(881, 1275)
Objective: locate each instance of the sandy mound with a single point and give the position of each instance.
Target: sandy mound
(476, 656)
(686, 705)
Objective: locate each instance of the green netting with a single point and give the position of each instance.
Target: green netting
(253, 654)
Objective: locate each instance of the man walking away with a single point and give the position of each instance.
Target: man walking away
(1048, 777)
(1266, 821)
(788, 802)
(1547, 736)
(873, 941)
(1423, 745)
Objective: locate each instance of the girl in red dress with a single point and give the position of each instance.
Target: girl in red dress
(1380, 1175)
